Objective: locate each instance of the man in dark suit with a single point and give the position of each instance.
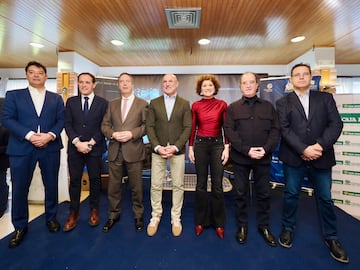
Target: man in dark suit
(4, 165)
(124, 126)
(168, 126)
(310, 125)
(252, 128)
(86, 144)
(34, 118)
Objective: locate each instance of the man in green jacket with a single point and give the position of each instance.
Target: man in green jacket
(168, 126)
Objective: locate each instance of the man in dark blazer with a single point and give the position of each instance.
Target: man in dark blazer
(35, 119)
(310, 125)
(124, 126)
(86, 144)
(168, 126)
(4, 165)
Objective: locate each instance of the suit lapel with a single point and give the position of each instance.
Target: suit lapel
(297, 104)
(94, 105)
(312, 104)
(162, 107)
(28, 100)
(132, 108)
(46, 102)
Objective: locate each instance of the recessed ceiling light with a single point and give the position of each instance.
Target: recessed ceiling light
(117, 42)
(36, 45)
(204, 41)
(297, 39)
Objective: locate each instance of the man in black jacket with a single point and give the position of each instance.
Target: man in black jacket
(252, 128)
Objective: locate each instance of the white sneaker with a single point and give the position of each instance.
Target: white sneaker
(176, 227)
(153, 226)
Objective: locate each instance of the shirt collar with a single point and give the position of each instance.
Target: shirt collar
(33, 89)
(168, 97)
(245, 100)
(91, 96)
(302, 94)
(131, 97)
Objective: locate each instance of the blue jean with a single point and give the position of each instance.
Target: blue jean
(321, 180)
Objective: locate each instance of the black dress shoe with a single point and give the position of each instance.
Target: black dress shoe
(109, 224)
(336, 251)
(268, 236)
(53, 226)
(139, 224)
(285, 238)
(17, 238)
(241, 234)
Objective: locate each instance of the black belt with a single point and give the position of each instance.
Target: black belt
(209, 138)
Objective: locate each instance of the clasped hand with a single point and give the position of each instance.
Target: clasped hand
(256, 152)
(167, 151)
(312, 152)
(40, 140)
(122, 136)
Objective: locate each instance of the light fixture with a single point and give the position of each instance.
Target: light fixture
(297, 39)
(36, 45)
(204, 41)
(117, 42)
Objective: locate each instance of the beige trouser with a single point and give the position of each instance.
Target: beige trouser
(158, 169)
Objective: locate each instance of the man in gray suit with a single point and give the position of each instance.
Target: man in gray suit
(168, 126)
(124, 126)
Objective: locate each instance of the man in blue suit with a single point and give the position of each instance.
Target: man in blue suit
(310, 125)
(83, 117)
(35, 119)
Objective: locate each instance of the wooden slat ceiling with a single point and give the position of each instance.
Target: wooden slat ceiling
(242, 32)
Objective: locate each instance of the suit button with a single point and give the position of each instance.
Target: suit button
(84, 126)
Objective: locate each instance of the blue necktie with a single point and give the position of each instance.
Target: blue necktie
(86, 106)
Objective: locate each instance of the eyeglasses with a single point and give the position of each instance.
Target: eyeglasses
(298, 75)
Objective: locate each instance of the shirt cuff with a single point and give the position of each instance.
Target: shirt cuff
(28, 136)
(156, 148)
(52, 134)
(75, 140)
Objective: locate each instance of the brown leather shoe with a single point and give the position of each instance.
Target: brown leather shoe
(71, 221)
(94, 217)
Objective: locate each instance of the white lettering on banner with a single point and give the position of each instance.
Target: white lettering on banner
(346, 181)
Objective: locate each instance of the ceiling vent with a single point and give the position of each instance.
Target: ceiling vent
(183, 18)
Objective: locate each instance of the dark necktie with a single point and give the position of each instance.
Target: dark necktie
(86, 106)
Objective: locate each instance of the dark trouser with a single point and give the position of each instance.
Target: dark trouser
(77, 161)
(4, 192)
(208, 153)
(261, 175)
(22, 169)
(116, 173)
